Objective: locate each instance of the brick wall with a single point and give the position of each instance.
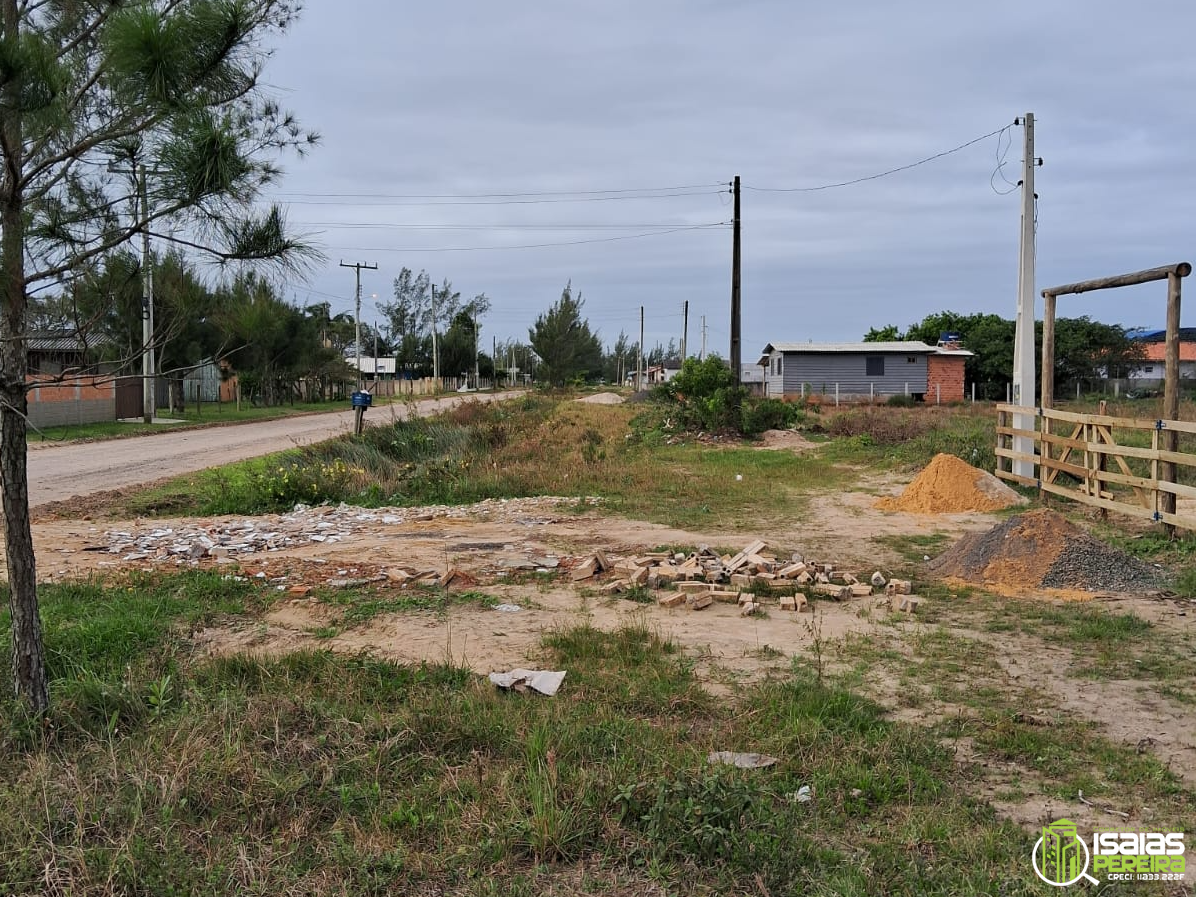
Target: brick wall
(79, 400)
(944, 378)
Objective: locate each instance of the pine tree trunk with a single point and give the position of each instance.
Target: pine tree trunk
(28, 655)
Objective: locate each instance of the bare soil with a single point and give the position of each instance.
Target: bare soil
(729, 650)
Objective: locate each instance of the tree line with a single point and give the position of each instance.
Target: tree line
(1085, 350)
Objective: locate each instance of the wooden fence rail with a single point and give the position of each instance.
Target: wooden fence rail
(1079, 456)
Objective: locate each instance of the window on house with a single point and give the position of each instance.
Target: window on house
(911, 359)
(773, 367)
(874, 365)
(1148, 369)
(781, 365)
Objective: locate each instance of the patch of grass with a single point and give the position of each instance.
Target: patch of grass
(913, 549)
(525, 447)
(317, 772)
(359, 606)
(910, 437)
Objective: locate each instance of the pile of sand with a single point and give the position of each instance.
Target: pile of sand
(1042, 550)
(602, 398)
(948, 485)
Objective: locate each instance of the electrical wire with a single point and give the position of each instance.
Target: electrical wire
(623, 190)
(417, 249)
(338, 225)
(1001, 163)
(498, 202)
(883, 174)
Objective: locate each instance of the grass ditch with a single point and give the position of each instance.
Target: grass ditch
(317, 773)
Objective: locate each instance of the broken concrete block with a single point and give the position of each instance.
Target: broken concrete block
(699, 601)
(676, 599)
(585, 569)
(741, 580)
(748, 608)
(614, 587)
(692, 586)
(724, 595)
(787, 602)
(905, 604)
(860, 590)
(849, 579)
(747, 598)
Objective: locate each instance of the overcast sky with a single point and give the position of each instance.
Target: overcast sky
(456, 99)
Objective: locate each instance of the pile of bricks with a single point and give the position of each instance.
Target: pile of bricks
(752, 578)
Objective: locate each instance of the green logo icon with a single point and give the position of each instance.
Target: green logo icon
(1060, 856)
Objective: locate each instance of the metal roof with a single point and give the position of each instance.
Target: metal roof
(903, 346)
(64, 341)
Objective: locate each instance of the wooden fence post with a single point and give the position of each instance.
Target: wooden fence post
(1167, 472)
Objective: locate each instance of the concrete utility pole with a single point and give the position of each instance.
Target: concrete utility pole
(476, 369)
(1023, 340)
(357, 266)
(435, 351)
(684, 328)
(736, 297)
(702, 357)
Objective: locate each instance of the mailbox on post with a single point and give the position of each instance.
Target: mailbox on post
(361, 401)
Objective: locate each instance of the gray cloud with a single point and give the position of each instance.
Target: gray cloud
(471, 97)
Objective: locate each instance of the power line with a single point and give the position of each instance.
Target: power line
(354, 225)
(418, 249)
(498, 202)
(883, 174)
(624, 190)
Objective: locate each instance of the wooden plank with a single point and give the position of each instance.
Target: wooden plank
(1064, 440)
(1177, 489)
(1057, 466)
(1129, 451)
(1017, 409)
(1014, 478)
(1014, 431)
(1016, 456)
(1093, 501)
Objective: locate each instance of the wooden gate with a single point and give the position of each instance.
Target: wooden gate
(1113, 463)
(129, 398)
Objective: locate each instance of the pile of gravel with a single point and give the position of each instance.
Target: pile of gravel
(1041, 549)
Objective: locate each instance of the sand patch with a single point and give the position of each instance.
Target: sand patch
(601, 398)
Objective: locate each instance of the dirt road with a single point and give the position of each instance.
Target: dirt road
(59, 472)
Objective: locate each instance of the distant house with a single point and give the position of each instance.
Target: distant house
(663, 373)
(1155, 355)
(54, 352)
(865, 370)
(380, 368)
(1154, 362)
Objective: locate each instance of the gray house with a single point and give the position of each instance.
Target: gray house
(859, 370)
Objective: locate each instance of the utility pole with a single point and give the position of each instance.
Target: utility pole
(639, 357)
(148, 372)
(357, 266)
(702, 357)
(494, 362)
(375, 355)
(736, 298)
(435, 350)
(684, 328)
(1023, 340)
(476, 369)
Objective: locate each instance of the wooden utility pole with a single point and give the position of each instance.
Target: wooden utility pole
(735, 293)
(684, 329)
(1168, 469)
(435, 349)
(639, 356)
(357, 266)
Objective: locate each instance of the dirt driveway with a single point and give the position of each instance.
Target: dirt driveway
(62, 471)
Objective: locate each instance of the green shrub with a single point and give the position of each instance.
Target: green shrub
(901, 401)
(767, 414)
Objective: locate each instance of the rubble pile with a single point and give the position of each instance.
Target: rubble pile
(1043, 550)
(307, 525)
(751, 579)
